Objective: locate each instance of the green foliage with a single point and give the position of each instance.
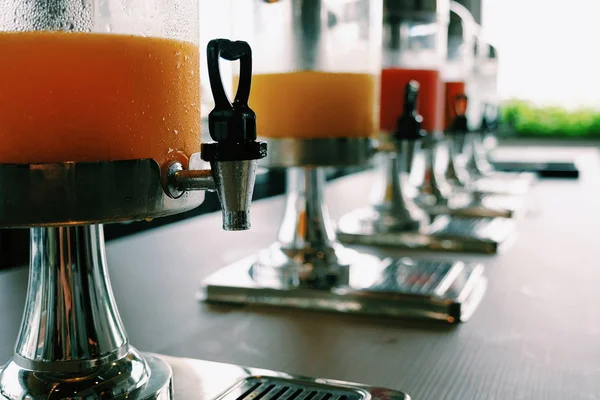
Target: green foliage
(526, 119)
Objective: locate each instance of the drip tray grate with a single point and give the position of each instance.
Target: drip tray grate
(269, 388)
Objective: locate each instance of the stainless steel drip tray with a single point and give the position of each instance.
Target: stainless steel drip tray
(205, 380)
(446, 291)
(446, 234)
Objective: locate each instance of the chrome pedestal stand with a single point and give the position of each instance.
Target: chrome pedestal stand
(72, 343)
(437, 197)
(486, 179)
(394, 219)
(308, 268)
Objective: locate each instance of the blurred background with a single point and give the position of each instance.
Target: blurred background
(548, 75)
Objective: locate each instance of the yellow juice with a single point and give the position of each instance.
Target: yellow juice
(307, 104)
(97, 97)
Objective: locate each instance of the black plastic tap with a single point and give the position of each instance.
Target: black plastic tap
(409, 123)
(231, 126)
(460, 124)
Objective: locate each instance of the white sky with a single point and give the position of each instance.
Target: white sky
(549, 52)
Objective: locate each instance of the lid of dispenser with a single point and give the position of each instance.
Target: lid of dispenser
(417, 9)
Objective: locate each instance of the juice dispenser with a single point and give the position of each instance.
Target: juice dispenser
(457, 72)
(100, 123)
(316, 89)
(482, 116)
(438, 194)
(414, 46)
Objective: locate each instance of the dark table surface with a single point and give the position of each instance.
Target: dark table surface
(536, 334)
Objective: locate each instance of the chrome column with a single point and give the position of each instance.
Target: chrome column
(307, 251)
(72, 343)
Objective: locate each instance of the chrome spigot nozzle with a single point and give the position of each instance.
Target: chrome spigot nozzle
(234, 183)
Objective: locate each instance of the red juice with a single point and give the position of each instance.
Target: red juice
(453, 90)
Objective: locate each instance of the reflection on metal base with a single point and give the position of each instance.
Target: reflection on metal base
(132, 376)
(504, 183)
(477, 205)
(404, 288)
(329, 152)
(462, 235)
(205, 380)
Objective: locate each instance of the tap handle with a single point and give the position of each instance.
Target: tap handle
(231, 126)
(491, 116)
(460, 123)
(408, 125)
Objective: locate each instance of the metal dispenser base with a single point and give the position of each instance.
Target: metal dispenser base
(307, 268)
(403, 288)
(446, 234)
(438, 196)
(480, 205)
(72, 343)
(395, 220)
(205, 380)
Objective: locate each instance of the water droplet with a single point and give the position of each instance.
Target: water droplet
(176, 131)
(164, 118)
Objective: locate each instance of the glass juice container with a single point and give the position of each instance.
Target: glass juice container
(458, 71)
(93, 80)
(485, 77)
(414, 48)
(317, 66)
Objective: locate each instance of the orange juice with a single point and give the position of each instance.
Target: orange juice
(310, 104)
(97, 97)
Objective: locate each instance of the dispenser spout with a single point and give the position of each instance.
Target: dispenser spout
(235, 152)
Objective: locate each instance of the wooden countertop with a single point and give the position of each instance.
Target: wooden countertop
(536, 334)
